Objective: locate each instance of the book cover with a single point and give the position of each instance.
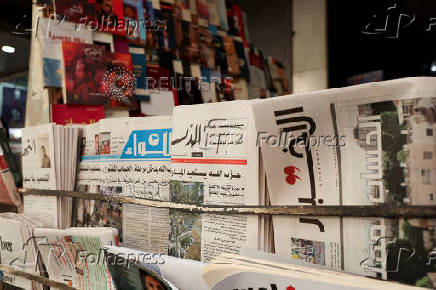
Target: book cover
(51, 34)
(121, 45)
(134, 16)
(214, 17)
(220, 54)
(203, 12)
(85, 67)
(187, 41)
(232, 58)
(13, 107)
(139, 66)
(110, 16)
(78, 11)
(166, 37)
(222, 12)
(235, 21)
(243, 64)
(74, 114)
(207, 51)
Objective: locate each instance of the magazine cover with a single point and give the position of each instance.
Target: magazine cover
(13, 107)
(51, 34)
(222, 12)
(187, 41)
(220, 54)
(85, 67)
(132, 269)
(134, 20)
(76, 11)
(207, 51)
(110, 15)
(214, 17)
(64, 114)
(232, 58)
(243, 63)
(203, 12)
(139, 70)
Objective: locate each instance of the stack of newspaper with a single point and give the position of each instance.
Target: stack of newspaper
(49, 157)
(370, 144)
(212, 159)
(18, 248)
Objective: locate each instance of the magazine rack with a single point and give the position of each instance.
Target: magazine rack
(39, 100)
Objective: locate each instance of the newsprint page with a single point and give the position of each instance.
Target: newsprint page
(364, 145)
(214, 161)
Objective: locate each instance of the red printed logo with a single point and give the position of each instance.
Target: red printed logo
(290, 288)
(291, 176)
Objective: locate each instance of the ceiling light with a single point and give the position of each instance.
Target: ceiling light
(433, 68)
(8, 49)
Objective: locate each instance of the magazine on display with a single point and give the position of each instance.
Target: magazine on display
(83, 64)
(132, 269)
(310, 144)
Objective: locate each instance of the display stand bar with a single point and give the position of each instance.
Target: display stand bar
(387, 211)
(35, 277)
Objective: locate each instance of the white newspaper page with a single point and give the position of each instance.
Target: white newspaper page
(75, 259)
(215, 162)
(88, 172)
(13, 252)
(135, 157)
(362, 145)
(38, 157)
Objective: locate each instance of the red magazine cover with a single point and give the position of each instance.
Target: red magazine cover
(232, 58)
(110, 14)
(78, 11)
(203, 12)
(158, 77)
(65, 114)
(84, 67)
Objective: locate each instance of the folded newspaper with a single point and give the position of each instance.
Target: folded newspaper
(371, 144)
(49, 156)
(230, 271)
(18, 249)
(75, 256)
